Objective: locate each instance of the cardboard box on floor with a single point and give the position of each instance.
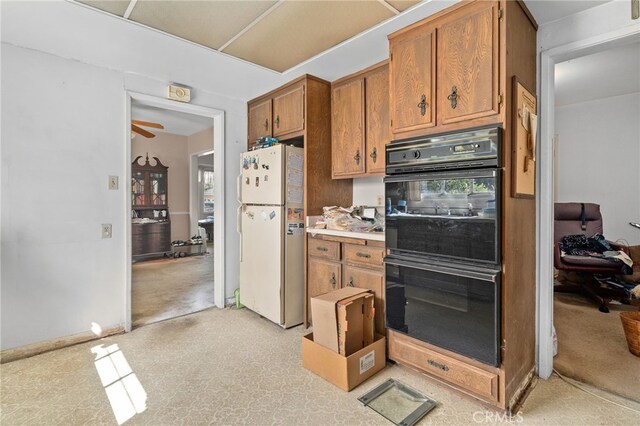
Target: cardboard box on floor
(343, 320)
(343, 348)
(346, 372)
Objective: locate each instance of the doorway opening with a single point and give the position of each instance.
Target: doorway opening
(594, 124)
(585, 140)
(175, 212)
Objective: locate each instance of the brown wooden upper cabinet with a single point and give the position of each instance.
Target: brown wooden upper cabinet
(468, 63)
(280, 115)
(413, 80)
(259, 120)
(360, 123)
(288, 111)
(457, 87)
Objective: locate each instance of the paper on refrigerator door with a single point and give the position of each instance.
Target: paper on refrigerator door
(294, 194)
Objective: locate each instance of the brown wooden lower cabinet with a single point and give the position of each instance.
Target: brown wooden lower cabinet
(482, 382)
(336, 262)
(371, 279)
(324, 276)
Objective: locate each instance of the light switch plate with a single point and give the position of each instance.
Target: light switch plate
(113, 182)
(106, 230)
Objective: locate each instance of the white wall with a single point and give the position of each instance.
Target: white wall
(366, 191)
(65, 70)
(599, 160)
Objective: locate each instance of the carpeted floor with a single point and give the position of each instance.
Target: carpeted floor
(231, 367)
(592, 347)
(168, 288)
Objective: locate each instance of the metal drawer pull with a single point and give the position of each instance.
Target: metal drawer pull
(266, 124)
(322, 249)
(423, 105)
(453, 97)
(365, 255)
(350, 281)
(357, 157)
(437, 365)
(278, 121)
(333, 280)
(374, 154)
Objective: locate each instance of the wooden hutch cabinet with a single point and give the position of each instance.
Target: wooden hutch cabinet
(151, 225)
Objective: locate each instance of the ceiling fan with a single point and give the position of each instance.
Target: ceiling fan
(135, 128)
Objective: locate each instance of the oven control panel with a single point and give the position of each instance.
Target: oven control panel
(473, 148)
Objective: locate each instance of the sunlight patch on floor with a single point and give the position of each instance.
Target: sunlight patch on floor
(125, 392)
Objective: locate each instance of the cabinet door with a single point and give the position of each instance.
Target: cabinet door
(371, 279)
(412, 79)
(377, 119)
(259, 121)
(323, 277)
(468, 63)
(288, 111)
(347, 129)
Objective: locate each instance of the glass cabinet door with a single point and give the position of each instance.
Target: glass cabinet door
(137, 189)
(158, 189)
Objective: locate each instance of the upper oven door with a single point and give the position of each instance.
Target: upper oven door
(448, 215)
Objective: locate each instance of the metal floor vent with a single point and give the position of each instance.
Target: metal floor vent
(398, 403)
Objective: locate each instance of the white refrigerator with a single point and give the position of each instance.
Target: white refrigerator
(271, 227)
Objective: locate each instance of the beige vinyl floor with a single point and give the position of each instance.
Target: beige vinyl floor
(229, 367)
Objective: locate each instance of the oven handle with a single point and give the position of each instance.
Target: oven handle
(483, 276)
(412, 177)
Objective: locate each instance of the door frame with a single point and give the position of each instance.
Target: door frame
(217, 117)
(545, 179)
(194, 202)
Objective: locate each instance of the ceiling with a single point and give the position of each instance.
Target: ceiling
(275, 34)
(177, 123)
(612, 72)
(546, 11)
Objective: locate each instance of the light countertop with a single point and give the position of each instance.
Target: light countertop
(374, 236)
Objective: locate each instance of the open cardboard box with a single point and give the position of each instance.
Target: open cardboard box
(343, 320)
(346, 372)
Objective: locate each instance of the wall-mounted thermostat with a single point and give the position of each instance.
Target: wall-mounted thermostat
(181, 94)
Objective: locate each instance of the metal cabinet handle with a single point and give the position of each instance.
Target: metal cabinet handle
(333, 280)
(322, 249)
(278, 121)
(453, 97)
(357, 157)
(350, 282)
(438, 365)
(365, 255)
(266, 124)
(423, 105)
(374, 154)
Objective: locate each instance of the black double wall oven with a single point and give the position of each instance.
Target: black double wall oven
(443, 267)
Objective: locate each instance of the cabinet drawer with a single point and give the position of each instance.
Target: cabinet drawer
(326, 249)
(365, 255)
(468, 377)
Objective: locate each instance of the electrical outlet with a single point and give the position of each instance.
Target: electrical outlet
(106, 230)
(380, 200)
(113, 182)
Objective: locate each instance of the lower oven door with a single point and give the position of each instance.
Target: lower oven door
(451, 307)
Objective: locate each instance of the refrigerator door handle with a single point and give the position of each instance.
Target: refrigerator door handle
(239, 188)
(239, 228)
